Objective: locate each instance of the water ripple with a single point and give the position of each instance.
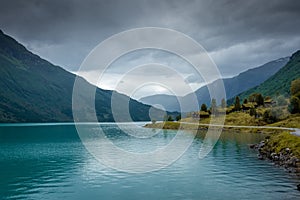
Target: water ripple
(51, 163)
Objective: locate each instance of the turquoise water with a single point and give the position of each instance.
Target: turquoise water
(50, 162)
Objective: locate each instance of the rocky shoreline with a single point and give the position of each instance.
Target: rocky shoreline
(284, 158)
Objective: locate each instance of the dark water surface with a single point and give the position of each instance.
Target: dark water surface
(50, 162)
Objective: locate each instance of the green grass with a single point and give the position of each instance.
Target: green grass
(192, 120)
(293, 121)
(173, 126)
(279, 142)
(235, 118)
(242, 119)
(164, 125)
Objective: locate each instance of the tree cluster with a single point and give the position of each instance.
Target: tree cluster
(257, 98)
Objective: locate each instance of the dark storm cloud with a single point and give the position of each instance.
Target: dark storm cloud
(229, 22)
(237, 34)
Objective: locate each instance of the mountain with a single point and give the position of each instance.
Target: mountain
(280, 82)
(34, 90)
(233, 86)
(169, 102)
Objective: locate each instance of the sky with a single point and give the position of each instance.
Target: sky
(237, 35)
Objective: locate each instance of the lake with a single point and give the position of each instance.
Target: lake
(49, 161)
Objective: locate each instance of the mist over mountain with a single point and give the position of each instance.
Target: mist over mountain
(233, 86)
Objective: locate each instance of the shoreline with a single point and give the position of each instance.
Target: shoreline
(283, 150)
(281, 145)
(284, 158)
(226, 127)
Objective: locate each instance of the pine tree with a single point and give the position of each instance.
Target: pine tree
(223, 103)
(213, 106)
(237, 104)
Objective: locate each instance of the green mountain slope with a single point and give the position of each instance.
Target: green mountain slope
(279, 83)
(34, 90)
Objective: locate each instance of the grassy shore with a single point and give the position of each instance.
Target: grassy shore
(279, 146)
(283, 149)
(232, 119)
(278, 142)
(292, 121)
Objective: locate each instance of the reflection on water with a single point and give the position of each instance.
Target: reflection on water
(50, 162)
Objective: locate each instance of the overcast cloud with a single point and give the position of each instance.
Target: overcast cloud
(238, 35)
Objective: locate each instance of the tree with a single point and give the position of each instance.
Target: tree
(245, 101)
(237, 104)
(273, 115)
(294, 106)
(223, 103)
(295, 88)
(170, 118)
(189, 114)
(252, 112)
(204, 107)
(213, 106)
(260, 100)
(165, 118)
(257, 98)
(178, 117)
(281, 101)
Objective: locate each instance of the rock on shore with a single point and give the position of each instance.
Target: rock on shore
(284, 158)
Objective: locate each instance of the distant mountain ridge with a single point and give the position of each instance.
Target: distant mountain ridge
(34, 90)
(169, 102)
(233, 86)
(280, 82)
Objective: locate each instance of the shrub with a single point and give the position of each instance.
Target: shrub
(273, 115)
